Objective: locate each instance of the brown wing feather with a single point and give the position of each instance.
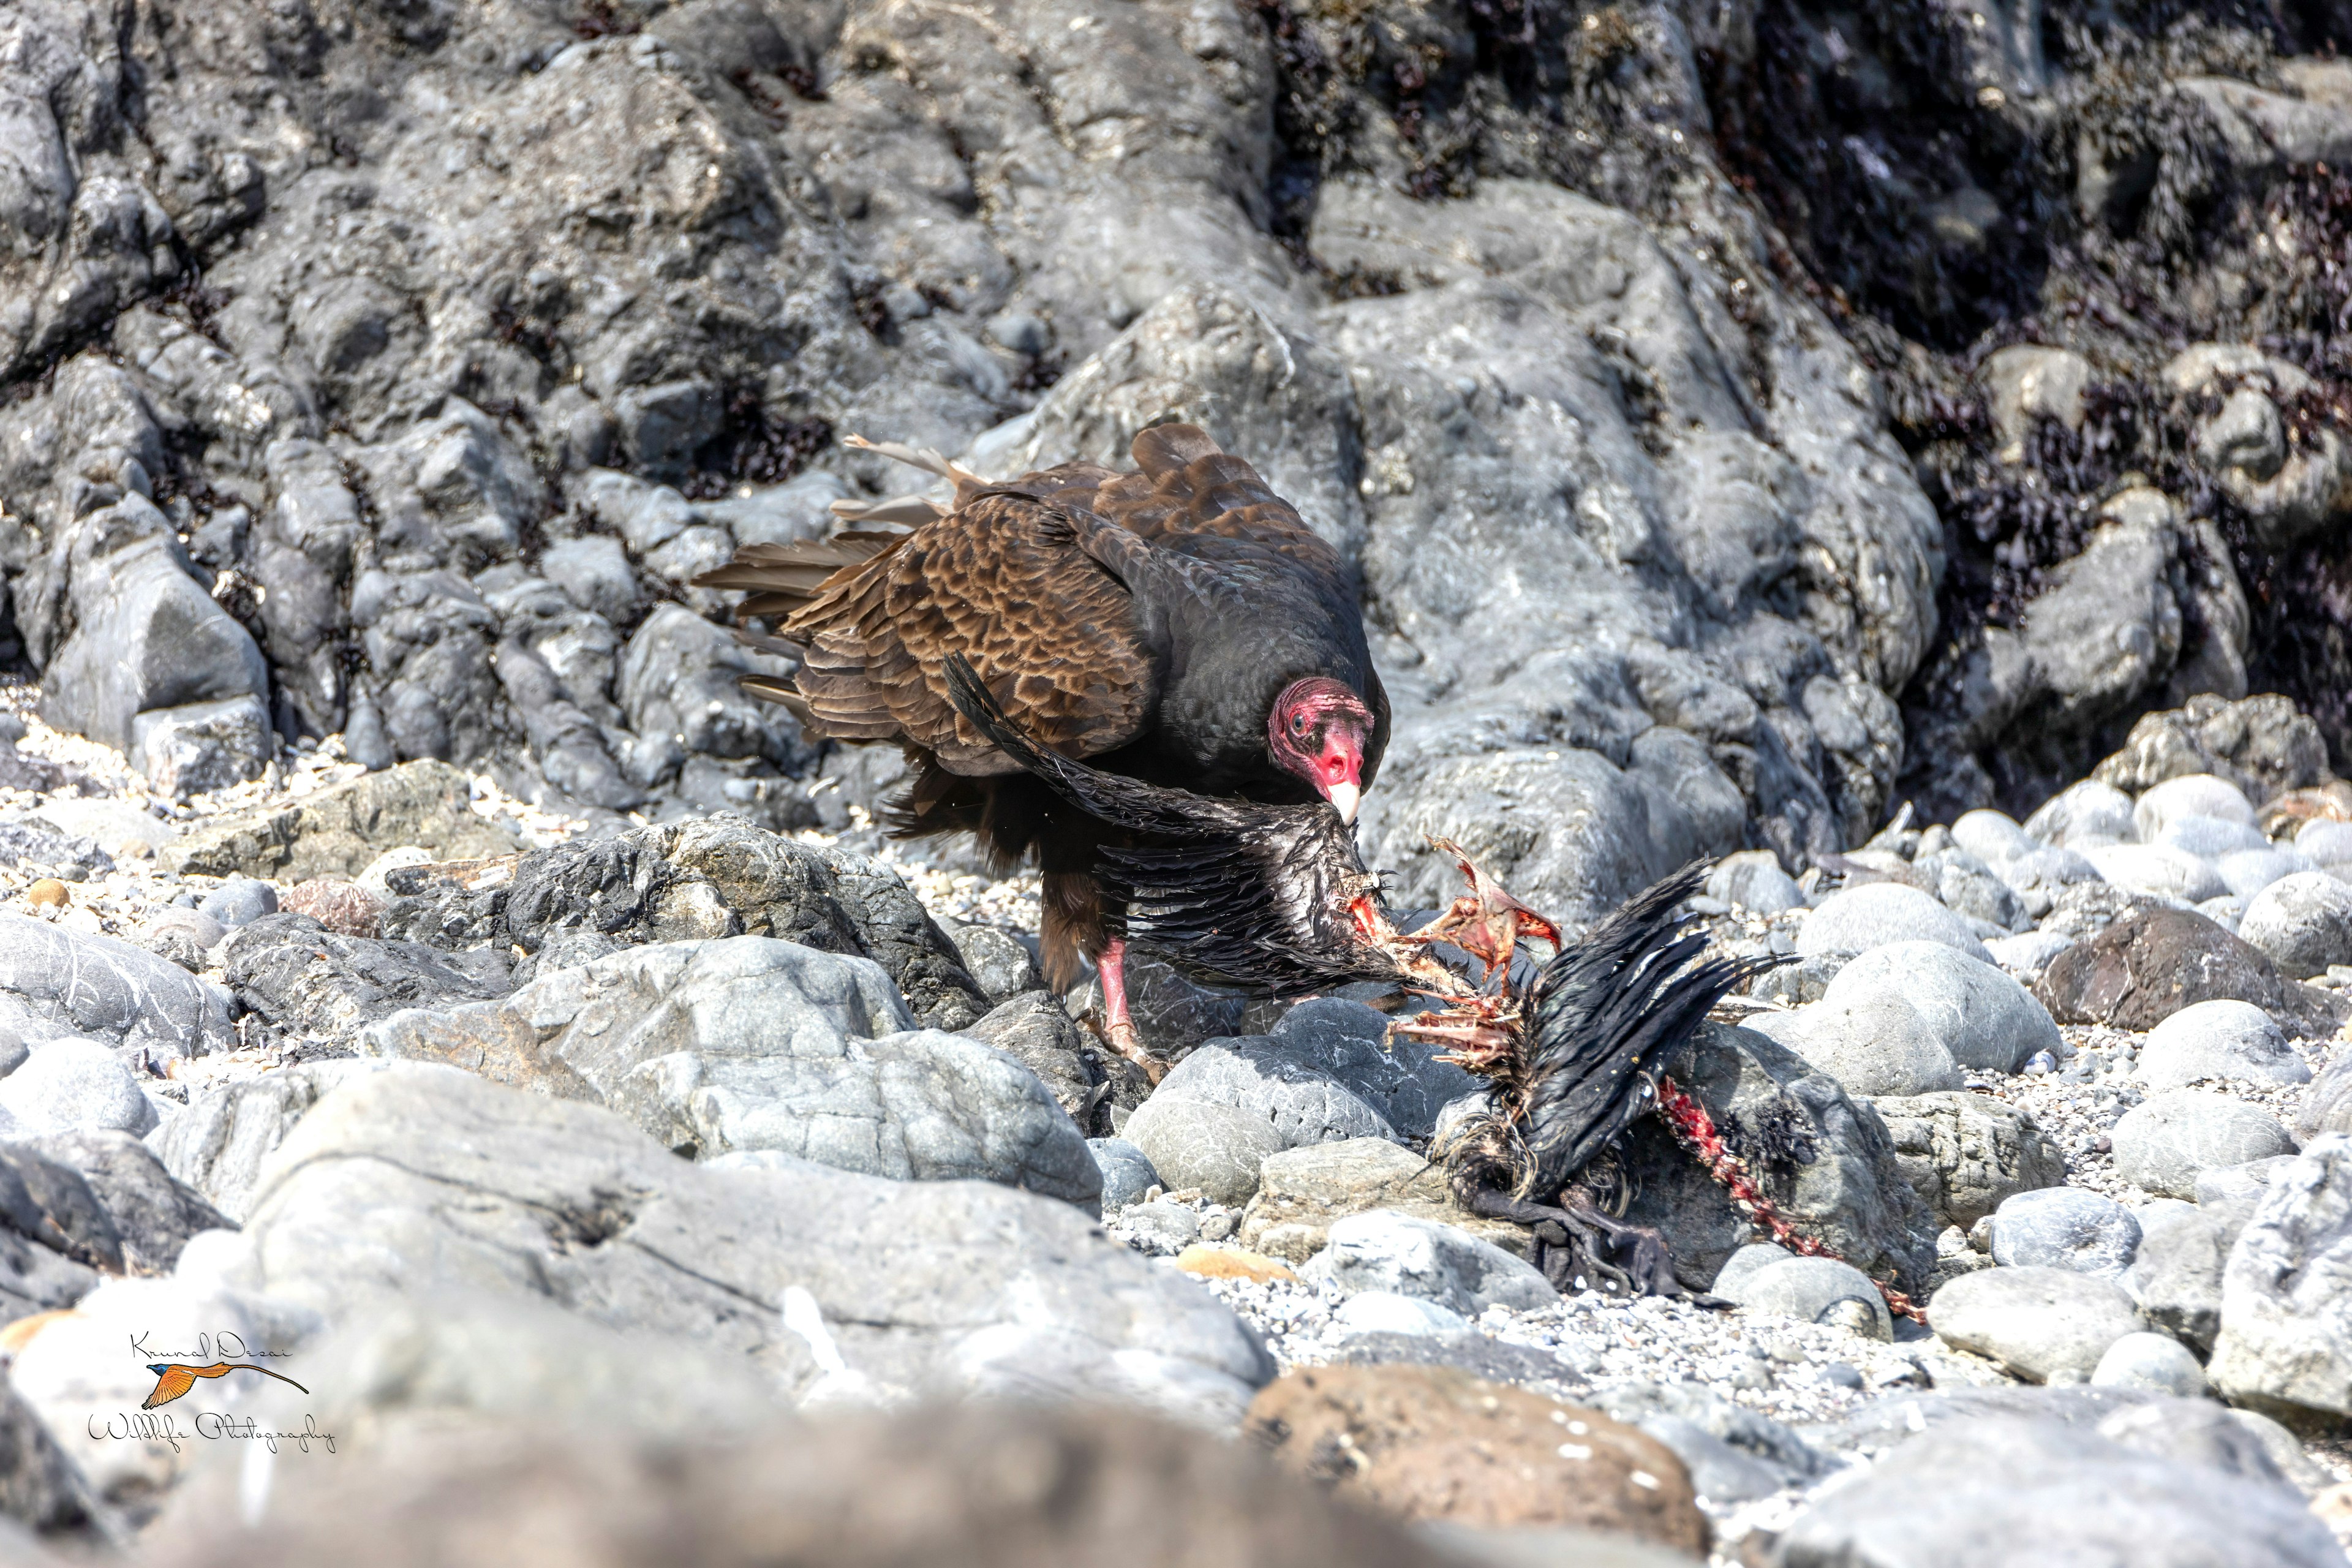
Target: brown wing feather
(1186, 495)
(1002, 582)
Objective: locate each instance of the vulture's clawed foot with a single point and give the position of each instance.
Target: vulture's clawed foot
(1125, 1038)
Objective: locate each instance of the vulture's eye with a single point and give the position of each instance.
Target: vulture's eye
(1298, 723)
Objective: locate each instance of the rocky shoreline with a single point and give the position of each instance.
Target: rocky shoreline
(941, 1186)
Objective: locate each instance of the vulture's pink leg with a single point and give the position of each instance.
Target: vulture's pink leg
(1118, 1029)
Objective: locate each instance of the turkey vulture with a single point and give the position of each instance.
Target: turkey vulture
(1178, 626)
(1275, 896)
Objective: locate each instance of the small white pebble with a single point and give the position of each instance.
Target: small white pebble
(1643, 1479)
(1578, 1451)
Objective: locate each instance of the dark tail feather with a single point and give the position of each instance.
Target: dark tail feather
(1606, 1009)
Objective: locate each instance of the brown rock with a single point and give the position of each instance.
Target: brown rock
(48, 893)
(1432, 1442)
(345, 908)
(975, 1486)
(1215, 1263)
(1302, 1193)
(2147, 966)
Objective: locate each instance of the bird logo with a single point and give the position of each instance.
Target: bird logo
(174, 1379)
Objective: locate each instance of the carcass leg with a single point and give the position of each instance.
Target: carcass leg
(1577, 1245)
(1118, 1029)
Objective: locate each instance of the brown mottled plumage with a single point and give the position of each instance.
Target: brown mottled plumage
(1178, 624)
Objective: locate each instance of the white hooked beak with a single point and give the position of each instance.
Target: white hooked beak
(1346, 797)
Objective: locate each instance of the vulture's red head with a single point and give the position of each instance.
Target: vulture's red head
(1317, 729)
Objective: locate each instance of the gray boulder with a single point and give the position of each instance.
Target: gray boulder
(1753, 880)
(1285, 1087)
(1200, 1144)
(2065, 1227)
(2157, 1363)
(582, 1236)
(154, 1213)
(2167, 1142)
(201, 747)
(2249, 871)
(2189, 795)
(2210, 837)
(1874, 1042)
(1383, 1250)
(2025, 956)
(1127, 1173)
(2082, 814)
(69, 982)
(1400, 1078)
(1824, 1156)
(239, 902)
(997, 960)
(1812, 1290)
(1995, 1490)
(313, 990)
(2176, 1275)
(216, 1144)
(696, 879)
(679, 676)
(2303, 922)
(2158, 870)
(2219, 1039)
(1301, 1192)
(1985, 1020)
(68, 1085)
(2230, 1196)
(2040, 1323)
(2286, 1292)
(747, 1043)
(1035, 1030)
(146, 637)
(1992, 836)
(1862, 918)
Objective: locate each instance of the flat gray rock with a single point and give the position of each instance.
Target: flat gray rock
(2038, 1323)
(1984, 1019)
(747, 1043)
(2164, 1143)
(111, 991)
(585, 1253)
